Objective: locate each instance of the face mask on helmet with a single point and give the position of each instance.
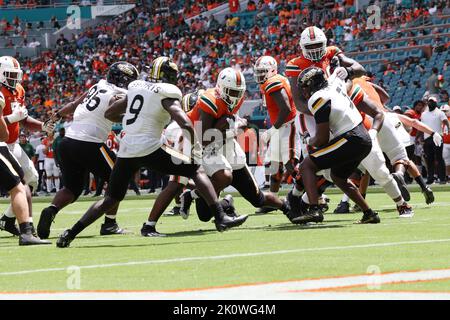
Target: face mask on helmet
(12, 78)
(232, 96)
(261, 74)
(314, 52)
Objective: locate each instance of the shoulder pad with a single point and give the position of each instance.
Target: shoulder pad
(170, 91)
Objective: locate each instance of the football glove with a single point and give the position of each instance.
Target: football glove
(48, 126)
(341, 73)
(437, 139)
(305, 138)
(2, 101)
(18, 114)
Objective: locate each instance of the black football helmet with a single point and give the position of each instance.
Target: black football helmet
(311, 80)
(164, 70)
(190, 100)
(121, 74)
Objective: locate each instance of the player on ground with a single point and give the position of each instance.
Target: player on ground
(341, 141)
(83, 149)
(11, 177)
(15, 114)
(224, 160)
(145, 111)
(283, 135)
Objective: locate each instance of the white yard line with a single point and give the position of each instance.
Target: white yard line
(225, 257)
(301, 289)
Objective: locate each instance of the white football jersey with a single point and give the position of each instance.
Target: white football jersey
(89, 122)
(343, 115)
(145, 117)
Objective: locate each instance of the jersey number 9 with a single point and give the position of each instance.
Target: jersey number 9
(135, 109)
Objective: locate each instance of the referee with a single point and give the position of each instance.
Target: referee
(435, 119)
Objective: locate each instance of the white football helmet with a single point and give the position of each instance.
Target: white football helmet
(313, 43)
(230, 86)
(10, 72)
(265, 68)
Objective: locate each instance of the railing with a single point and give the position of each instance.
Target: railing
(59, 4)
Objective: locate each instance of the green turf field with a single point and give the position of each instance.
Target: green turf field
(265, 249)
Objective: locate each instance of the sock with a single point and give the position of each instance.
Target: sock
(30, 220)
(305, 198)
(57, 184)
(225, 204)
(49, 185)
(25, 228)
(345, 198)
(76, 229)
(421, 182)
(296, 192)
(368, 211)
(217, 209)
(110, 218)
(150, 223)
(194, 194)
(53, 208)
(400, 202)
(9, 213)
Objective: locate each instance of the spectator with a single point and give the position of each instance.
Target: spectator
(435, 119)
(26, 146)
(432, 82)
(397, 109)
(34, 43)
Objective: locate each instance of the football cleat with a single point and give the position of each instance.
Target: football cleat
(428, 194)
(343, 207)
(228, 222)
(369, 217)
(405, 211)
(185, 203)
(175, 211)
(45, 222)
(28, 239)
(64, 239)
(9, 225)
(230, 209)
(313, 215)
(150, 231)
(111, 228)
(264, 210)
(398, 177)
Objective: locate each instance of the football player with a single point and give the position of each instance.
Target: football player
(174, 137)
(15, 114)
(11, 179)
(145, 111)
(224, 160)
(283, 135)
(83, 149)
(341, 142)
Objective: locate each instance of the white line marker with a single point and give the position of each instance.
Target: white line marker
(228, 256)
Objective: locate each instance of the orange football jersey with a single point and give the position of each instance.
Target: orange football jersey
(297, 65)
(413, 114)
(47, 143)
(274, 84)
(13, 99)
(209, 103)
